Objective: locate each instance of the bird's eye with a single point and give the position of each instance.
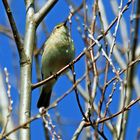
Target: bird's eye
(56, 27)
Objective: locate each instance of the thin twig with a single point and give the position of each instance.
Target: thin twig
(81, 54)
(54, 104)
(77, 96)
(122, 71)
(7, 32)
(86, 123)
(127, 108)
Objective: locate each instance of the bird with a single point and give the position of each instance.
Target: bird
(58, 52)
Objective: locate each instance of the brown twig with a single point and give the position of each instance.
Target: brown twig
(86, 124)
(54, 104)
(122, 71)
(76, 93)
(81, 54)
(22, 55)
(126, 108)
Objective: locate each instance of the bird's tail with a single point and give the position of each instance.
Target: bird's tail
(44, 99)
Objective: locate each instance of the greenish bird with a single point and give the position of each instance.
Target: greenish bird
(58, 52)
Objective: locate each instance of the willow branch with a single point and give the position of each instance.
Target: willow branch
(38, 17)
(16, 35)
(82, 53)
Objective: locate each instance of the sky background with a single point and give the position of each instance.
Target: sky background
(68, 108)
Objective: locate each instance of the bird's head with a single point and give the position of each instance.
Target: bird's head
(61, 28)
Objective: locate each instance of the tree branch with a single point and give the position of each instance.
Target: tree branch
(21, 51)
(82, 53)
(38, 17)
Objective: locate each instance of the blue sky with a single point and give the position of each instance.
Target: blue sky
(68, 108)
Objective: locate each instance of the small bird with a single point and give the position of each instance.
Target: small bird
(58, 52)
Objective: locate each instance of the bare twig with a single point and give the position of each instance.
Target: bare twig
(82, 53)
(38, 17)
(21, 51)
(122, 71)
(77, 96)
(86, 123)
(54, 104)
(5, 31)
(126, 108)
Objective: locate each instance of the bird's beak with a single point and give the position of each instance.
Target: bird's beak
(65, 22)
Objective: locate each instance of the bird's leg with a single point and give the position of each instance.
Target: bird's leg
(55, 76)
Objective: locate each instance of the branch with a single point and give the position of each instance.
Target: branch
(76, 93)
(21, 51)
(53, 105)
(78, 131)
(85, 124)
(10, 102)
(7, 32)
(26, 73)
(38, 17)
(126, 108)
(122, 71)
(4, 109)
(130, 75)
(82, 53)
